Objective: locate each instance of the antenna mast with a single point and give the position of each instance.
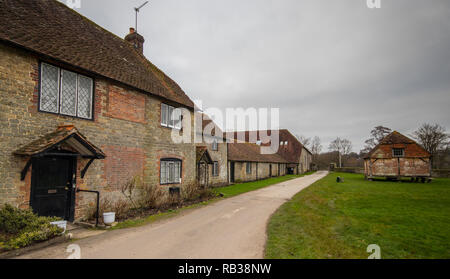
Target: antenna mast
(137, 11)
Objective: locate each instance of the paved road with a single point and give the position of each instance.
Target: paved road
(231, 228)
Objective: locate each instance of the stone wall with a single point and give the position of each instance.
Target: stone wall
(126, 127)
(260, 171)
(220, 156)
(305, 161)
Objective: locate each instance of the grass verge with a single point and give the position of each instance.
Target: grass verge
(331, 220)
(241, 188)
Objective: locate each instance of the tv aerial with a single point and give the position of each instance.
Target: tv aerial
(137, 10)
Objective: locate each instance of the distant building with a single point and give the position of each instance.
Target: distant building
(398, 156)
(299, 158)
(247, 163)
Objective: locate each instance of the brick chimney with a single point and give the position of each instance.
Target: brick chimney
(136, 40)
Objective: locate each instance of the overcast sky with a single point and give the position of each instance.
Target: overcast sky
(334, 68)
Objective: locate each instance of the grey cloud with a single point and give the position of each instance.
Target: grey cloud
(334, 68)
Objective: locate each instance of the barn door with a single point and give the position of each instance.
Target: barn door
(52, 192)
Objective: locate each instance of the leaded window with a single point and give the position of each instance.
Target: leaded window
(215, 169)
(49, 100)
(65, 92)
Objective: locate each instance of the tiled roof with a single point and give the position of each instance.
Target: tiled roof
(51, 140)
(291, 153)
(51, 29)
(249, 152)
(396, 138)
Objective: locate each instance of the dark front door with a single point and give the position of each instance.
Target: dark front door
(52, 192)
(270, 170)
(232, 172)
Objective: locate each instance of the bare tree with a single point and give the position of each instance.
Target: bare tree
(432, 137)
(342, 147)
(304, 140)
(377, 134)
(316, 146)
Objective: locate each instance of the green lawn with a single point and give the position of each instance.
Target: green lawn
(331, 220)
(242, 188)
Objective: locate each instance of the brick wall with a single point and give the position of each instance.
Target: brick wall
(382, 163)
(126, 127)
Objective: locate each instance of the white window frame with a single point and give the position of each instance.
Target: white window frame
(172, 170)
(172, 120)
(59, 95)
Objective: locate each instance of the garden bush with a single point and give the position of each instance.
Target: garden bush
(20, 228)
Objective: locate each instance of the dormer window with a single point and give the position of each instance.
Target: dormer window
(398, 152)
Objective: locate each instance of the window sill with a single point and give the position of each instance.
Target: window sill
(65, 115)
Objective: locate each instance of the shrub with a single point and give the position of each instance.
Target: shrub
(20, 228)
(193, 192)
(152, 197)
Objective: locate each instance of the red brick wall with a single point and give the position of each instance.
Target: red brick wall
(122, 165)
(126, 105)
(411, 150)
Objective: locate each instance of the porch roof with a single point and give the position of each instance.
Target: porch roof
(203, 155)
(68, 135)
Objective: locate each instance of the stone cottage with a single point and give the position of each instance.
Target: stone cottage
(398, 156)
(212, 144)
(82, 109)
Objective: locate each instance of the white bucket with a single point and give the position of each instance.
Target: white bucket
(109, 218)
(60, 224)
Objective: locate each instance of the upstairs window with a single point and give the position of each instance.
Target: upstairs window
(171, 117)
(249, 168)
(170, 171)
(398, 152)
(64, 92)
(215, 146)
(215, 169)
